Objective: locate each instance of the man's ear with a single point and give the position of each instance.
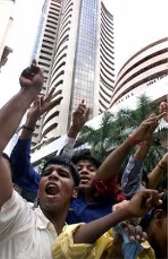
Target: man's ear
(158, 217)
(75, 193)
(158, 214)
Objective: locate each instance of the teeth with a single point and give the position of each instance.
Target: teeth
(84, 178)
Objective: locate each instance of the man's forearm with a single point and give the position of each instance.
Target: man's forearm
(142, 151)
(155, 176)
(111, 166)
(72, 132)
(12, 113)
(90, 232)
(27, 129)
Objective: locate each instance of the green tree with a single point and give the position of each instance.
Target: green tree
(98, 138)
(114, 129)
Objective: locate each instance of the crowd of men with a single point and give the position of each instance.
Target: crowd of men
(77, 206)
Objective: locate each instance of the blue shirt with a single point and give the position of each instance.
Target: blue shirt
(80, 211)
(23, 173)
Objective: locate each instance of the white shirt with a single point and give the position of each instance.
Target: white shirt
(25, 233)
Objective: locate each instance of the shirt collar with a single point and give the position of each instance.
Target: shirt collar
(42, 221)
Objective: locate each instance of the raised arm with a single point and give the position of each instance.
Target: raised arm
(111, 166)
(158, 172)
(79, 118)
(31, 81)
(136, 207)
(22, 169)
(39, 107)
(132, 176)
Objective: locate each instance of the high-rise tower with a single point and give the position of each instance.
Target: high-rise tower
(77, 55)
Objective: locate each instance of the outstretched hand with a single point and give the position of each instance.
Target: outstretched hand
(142, 202)
(32, 77)
(146, 129)
(80, 115)
(43, 104)
(79, 118)
(135, 232)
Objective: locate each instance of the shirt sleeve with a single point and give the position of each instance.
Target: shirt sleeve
(64, 246)
(23, 173)
(104, 247)
(132, 177)
(66, 147)
(11, 144)
(14, 214)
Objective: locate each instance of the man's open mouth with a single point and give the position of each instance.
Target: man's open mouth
(84, 179)
(51, 189)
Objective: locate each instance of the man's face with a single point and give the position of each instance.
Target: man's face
(159, 233)
(56, 187)
(87, 171)
(163, 235)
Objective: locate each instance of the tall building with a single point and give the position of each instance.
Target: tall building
(105, 61)
(6, 20)
(76, 52)
(44, 50)
(146, 72)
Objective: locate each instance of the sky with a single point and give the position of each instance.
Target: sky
(26, 15)
(136, 24)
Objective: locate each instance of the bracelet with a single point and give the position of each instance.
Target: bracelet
(27, 128)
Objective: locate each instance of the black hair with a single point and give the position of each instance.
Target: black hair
(85, 154)
(150, 215)
(65, 161)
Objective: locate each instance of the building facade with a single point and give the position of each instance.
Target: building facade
(144, 73)
(76, 52)
(105, 61)
(6, 20)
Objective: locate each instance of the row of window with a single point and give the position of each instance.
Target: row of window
(138, 83)
(123, 72)
(150, 46)
(141, 71)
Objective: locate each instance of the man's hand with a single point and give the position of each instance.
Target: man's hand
(79, 118)
(135, 232)
(146, 129)
(142, 202)
(43, 104)
(164, 108)
(32, 77)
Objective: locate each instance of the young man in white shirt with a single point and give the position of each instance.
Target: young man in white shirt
(27, 233)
